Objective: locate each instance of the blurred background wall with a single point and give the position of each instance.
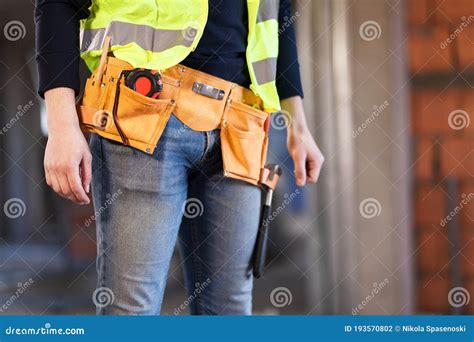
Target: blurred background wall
(387, 230)
(442, 76)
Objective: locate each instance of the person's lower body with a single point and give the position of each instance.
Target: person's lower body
(144, 204)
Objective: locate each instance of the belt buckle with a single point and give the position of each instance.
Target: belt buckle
(208, 91)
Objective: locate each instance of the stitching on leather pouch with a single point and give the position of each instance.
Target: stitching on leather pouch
(167, 103)
(143, 100)
(235, 105)
(102, 94)
(245, 134)
(170, 80)
(157, 128)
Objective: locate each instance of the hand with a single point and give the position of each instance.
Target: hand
(306, 155)
(67, 160)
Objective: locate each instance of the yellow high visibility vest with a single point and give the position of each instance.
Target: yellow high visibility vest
(158, 34)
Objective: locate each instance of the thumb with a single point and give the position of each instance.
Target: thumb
(299, 160)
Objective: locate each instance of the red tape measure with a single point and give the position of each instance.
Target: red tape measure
(144, 81)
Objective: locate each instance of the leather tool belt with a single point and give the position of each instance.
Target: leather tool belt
(201, 101)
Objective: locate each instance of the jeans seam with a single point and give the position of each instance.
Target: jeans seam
(103, 244)
(207, 145)
(197, 266)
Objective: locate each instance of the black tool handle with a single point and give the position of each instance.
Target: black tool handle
(261, 244)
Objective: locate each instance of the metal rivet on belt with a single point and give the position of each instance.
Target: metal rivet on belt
(148, 150)
(102, 84)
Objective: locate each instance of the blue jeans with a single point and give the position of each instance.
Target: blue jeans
(145, 203)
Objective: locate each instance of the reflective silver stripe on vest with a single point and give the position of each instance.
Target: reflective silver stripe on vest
(147, 37)
(265, 70)
(267, 10)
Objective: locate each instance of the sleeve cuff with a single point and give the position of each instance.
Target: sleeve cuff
(289, 82)
(58, 70)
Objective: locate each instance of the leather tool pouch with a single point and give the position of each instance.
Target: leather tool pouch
(244, 141)
(116, 112)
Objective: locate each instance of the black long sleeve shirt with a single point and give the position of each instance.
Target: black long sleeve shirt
(220, 52)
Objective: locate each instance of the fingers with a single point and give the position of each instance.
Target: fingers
(86, 171)
(66, 182)
(55, 184)
(314, 165)
(48, 177)
(67, 162)
(307, 166)
(65, 188)
(75, 187)
(299, 159)
(52, 179)
(313, 169)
